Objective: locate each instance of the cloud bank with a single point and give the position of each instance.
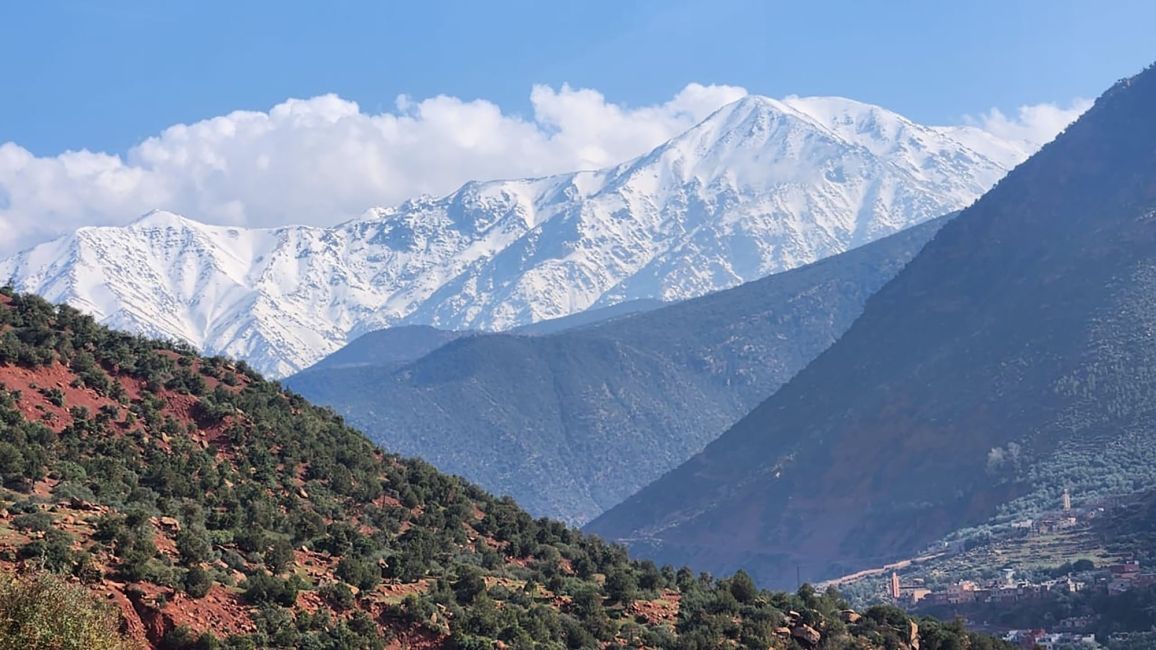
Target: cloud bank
(1036, 124)
(323, 160)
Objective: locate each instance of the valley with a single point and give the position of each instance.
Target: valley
(602, 326)
(571, 422)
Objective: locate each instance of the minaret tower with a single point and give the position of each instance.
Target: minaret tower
(1067, 500)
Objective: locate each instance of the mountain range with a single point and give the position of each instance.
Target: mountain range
(761, 186)
(572, 422)
(1010, 359)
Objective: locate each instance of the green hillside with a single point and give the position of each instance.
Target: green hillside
(215, 509)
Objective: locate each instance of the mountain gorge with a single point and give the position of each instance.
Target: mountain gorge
(1010, 359)
(571, 423)
(761, 186)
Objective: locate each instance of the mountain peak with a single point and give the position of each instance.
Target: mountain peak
(825, 112)
(162, 219)
(760, 186)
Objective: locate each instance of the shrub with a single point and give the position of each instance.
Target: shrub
(197, 582)
(261, 588)
(469, 585)
(34, 521)
(86, 569)
(743, 587)
(194, 545)
(621, 587)
(338, 595)
(54, 552)
(279, 556)
(182, 638)
(43, 612)
(362, 574)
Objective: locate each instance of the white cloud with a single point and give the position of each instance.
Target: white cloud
(323, 160)
(1036, 124)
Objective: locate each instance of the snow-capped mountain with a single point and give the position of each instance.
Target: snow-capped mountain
(760, 186)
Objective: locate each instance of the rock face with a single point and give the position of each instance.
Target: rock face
(759, 187)
(572, 423)
(1011, 358)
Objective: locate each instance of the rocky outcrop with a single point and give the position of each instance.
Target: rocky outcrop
(807, 634)
(148, 611)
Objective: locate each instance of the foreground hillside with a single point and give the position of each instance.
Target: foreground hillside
(572, 423)
(1010, 359)
(213, 509)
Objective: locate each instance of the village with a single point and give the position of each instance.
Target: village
(1065, 633)
(1114, 579)
(991, 594)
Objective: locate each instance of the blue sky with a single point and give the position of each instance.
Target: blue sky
(110, 108)
(104, 75)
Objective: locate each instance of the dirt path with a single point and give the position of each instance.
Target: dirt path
(867, 573)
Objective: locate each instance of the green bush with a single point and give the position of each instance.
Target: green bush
(338, 595)
(38, 521)
(194, 545)
(279, 556)
(360, 573)
(53, 552)
(261, 588)
(43, 612)
(182, 638)
(469, 584)
(198, 582)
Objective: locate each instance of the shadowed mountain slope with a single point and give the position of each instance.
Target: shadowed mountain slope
(1012, 357)
(572, 423)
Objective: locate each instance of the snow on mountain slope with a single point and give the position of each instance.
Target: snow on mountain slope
(759, 187)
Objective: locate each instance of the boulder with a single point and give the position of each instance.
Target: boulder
(78, 503)
(807, 634)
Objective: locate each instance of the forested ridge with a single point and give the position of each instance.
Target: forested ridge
(213, 509)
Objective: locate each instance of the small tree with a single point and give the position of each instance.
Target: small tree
(279, 556)
(743, 587)
(338, 595)
(621, 587)
(469, 584)
(194, 545)
(43, 612)
(198, 582)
